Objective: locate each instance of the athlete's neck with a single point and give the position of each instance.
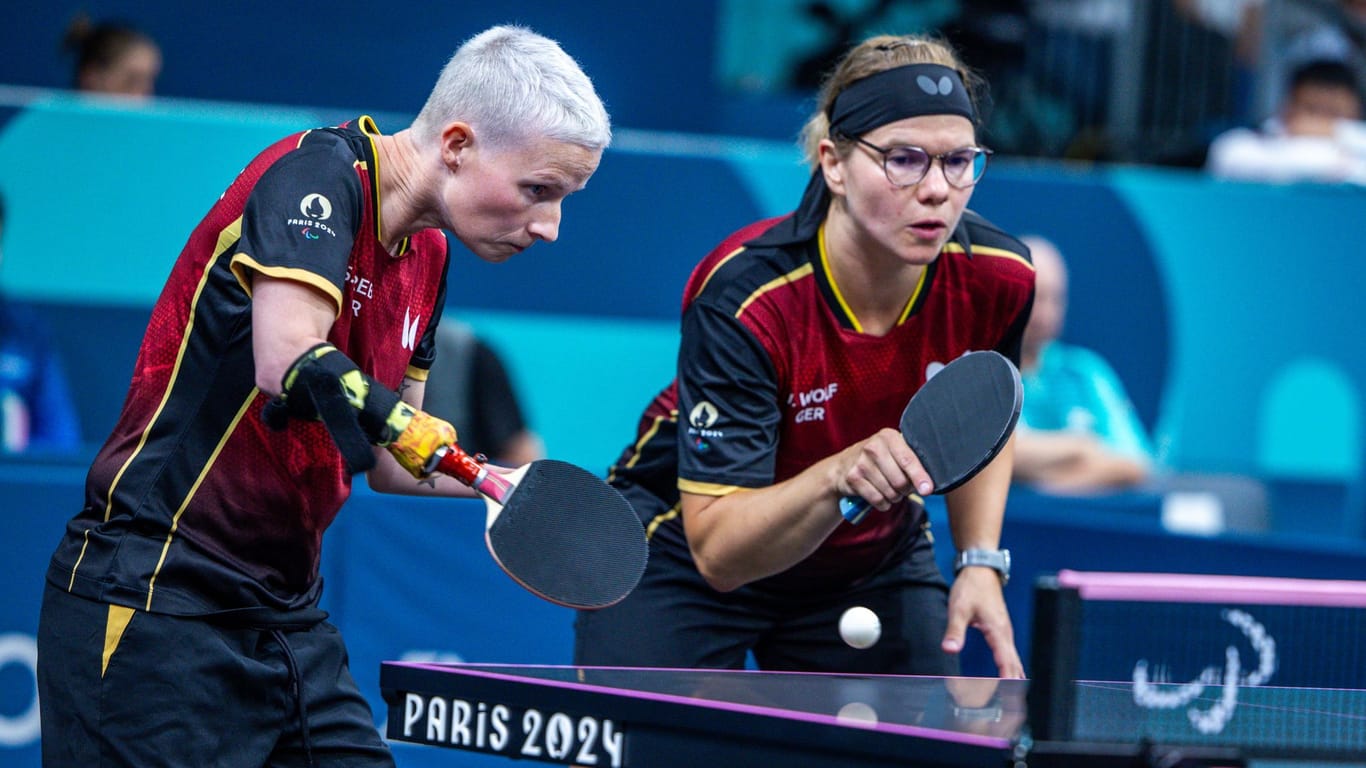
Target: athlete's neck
(399, 181)
(875, 284)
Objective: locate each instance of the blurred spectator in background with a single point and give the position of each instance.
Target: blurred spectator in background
(112, 58)
(36, 410)
(1238, 20)
(1070, 57)
(1079, 433)
(1317, 136)
(777, 46)
(1273, 39)
(469, 387)
(1240, 23)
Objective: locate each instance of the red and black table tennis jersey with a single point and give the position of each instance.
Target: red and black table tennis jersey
(193, 505)
(774, 374)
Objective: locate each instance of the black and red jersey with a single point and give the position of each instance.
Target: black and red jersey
(775, 375)
(193, 505)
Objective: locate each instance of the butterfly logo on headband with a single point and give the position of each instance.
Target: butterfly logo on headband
(942, 88)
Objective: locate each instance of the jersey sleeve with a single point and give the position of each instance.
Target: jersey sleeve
(301, 219)
(728, 410)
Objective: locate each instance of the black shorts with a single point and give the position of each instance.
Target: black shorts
(675, 619)
(178, 691)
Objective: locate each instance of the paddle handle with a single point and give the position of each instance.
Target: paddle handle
(453, 461)
(854, 508)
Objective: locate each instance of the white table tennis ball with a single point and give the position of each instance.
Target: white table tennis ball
(860, 627)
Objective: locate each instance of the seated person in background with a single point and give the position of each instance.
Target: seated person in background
(1318, 135)
(1078, 432)
(112, 58)
(36, 411)
(469, 386)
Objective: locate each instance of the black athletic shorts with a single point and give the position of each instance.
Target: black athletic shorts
(163, 690)
(675, 619)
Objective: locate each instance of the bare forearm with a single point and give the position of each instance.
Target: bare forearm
(753, 533)
(977, 509)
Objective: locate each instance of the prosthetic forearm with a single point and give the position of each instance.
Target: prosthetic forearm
(358, 411)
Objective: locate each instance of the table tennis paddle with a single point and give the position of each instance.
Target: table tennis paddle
(957, 422)
(555, 528)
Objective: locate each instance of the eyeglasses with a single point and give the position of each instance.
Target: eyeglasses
(906, 165)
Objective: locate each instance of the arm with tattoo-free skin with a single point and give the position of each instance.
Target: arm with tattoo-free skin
(782, 524)
(976, 510)
(785, 523)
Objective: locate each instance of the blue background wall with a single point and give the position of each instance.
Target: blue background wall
(653, 69)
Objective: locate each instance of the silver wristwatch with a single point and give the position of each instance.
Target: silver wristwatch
(996, 559)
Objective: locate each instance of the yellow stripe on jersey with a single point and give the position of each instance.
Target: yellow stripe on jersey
(986, 250)
(661, 519)
(804, 270)
(170, 383)
(714, 269)
(242, 262)
(649, 434)
(185, 502)
(371, 130)
(915, 295)
(707, 489)
(85, 542)
(830, 275)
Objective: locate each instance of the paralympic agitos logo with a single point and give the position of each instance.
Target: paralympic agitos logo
(1152, 690)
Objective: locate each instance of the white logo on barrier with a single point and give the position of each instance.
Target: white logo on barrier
(1156, 692)
(23, 728)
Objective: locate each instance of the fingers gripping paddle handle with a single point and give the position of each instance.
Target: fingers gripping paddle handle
(452, 460)
(957, 421)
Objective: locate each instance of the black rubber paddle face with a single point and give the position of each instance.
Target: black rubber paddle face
(569, 537)
(963, 416)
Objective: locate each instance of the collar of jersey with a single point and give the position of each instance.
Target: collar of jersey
(367, 127)
(841, 307)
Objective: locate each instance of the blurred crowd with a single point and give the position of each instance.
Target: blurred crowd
(1090, 80)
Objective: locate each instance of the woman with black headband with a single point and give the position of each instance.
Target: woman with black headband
(802, 339)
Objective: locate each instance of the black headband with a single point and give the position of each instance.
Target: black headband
(874, 101)
(896, 94)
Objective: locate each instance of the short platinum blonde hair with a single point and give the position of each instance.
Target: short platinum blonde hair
(513, 85)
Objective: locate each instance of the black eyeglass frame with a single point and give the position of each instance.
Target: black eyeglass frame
(885, 152)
